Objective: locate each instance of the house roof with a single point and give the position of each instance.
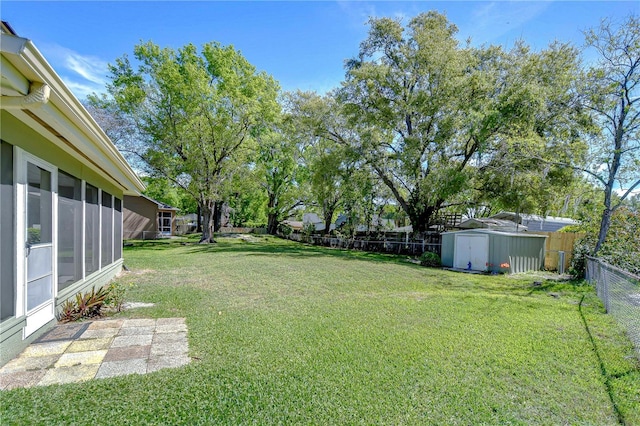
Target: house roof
(525, 217)
(161, 205)
(57, 115)
(491, 223)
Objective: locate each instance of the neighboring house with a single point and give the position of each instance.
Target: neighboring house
(145, 218)
(316, 221)
(536, 223)
(62, 184)
(487, 250)
(491, 223)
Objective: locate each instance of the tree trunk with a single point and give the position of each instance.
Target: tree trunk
(605, 223)
(207, 209)
(328, 216)
(421, 217)
(217, 215)
(272, 219)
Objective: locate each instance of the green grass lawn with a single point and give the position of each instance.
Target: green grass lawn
(282, 333)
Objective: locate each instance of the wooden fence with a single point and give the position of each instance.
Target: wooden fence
(557, 242)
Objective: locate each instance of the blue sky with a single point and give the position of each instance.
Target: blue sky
(303, 44)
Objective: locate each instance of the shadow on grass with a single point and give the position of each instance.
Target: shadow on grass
(265, 246)
(278, 247)
(446, 280)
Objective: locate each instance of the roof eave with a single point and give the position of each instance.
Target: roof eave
(23, 55)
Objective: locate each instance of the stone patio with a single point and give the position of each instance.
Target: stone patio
(99, 349)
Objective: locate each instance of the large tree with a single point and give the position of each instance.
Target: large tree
(430, 113)
(196, 112)
(611, 91)
(280, 174)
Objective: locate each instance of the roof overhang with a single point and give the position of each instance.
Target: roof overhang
(61, 118)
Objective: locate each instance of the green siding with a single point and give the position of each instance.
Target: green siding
(19, 134)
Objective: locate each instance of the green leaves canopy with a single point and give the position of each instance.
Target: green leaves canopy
(430, 113)
(198, 113)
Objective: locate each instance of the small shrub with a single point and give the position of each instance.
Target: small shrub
(308, 229)
(116, 295)
(284, 229)
(88, 305)
(430, 259)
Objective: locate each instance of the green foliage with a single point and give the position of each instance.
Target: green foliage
(308, 229)
(163, 190)
(622, 249)
(284, 229)
(280, 172)
(116, 295)
(430, 259)
(84, 306)
(197, 114)
(246, 199)
(436, 121)
(33, 235)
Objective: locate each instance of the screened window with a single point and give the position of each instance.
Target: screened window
(107, 229)
(69, 230)
(7, 234)
(117, 228)
(38, 205)
(92, 230)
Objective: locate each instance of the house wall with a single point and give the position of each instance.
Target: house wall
(19, 135)
(140, 216)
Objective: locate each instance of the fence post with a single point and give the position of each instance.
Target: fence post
(561, 262)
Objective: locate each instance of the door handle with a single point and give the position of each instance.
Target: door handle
(27, 245)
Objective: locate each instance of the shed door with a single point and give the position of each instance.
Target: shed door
(471, 250)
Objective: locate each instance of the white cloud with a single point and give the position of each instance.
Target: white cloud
(83, 90)
(83, 74)
(493, 20)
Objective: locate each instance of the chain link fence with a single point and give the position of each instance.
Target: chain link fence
(619, 290)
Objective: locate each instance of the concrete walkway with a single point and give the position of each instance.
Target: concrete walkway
(77, 352)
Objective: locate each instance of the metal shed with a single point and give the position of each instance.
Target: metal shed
(486, 250)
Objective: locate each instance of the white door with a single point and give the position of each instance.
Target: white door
(39, 182)
(471, 252)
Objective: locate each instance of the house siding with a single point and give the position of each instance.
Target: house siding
(16, 134)
(139, 216)
(19, 134)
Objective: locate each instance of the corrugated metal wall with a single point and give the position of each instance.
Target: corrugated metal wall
(447, 250)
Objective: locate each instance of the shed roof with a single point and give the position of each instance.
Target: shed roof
(496, 232)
